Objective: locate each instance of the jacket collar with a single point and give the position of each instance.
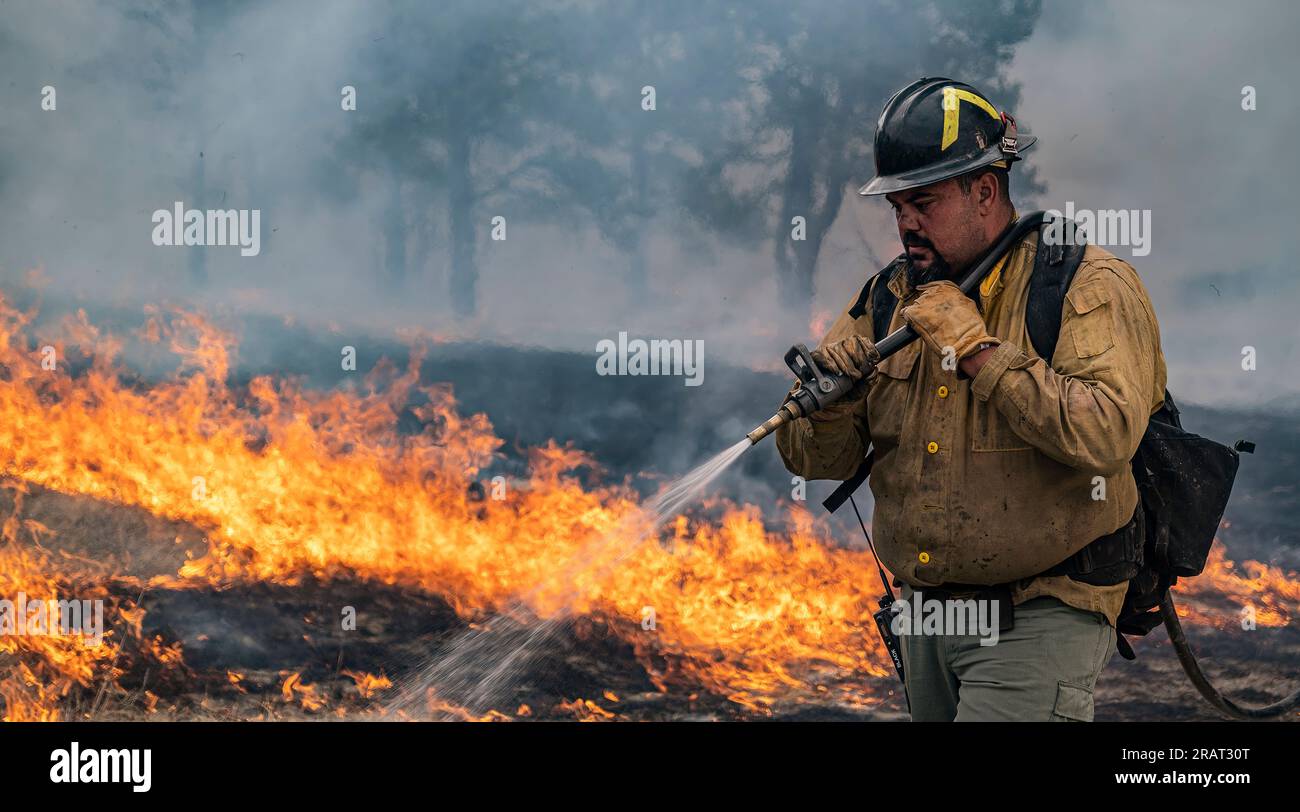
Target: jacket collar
(901, 287)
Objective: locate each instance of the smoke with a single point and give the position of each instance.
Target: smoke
(1140, 106)
(238, 105)
(663, 223)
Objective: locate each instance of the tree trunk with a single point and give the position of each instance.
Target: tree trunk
(198, 254)
(394, 234)
(259, 198)
(636, 269)
(460, 191)
(796, 260)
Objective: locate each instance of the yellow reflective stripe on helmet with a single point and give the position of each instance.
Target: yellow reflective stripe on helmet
(952, 98)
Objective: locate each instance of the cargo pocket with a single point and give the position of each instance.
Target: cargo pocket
(1073, 703)
(1091, 326)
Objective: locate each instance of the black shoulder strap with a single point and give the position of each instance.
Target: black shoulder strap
(1054, 268)
(882, 299)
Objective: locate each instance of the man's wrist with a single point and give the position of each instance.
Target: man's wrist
(986, 380)
(971, 365)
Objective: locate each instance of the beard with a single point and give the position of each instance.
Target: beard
(938, 269)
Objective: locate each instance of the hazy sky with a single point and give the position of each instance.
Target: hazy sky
(1141, 108)
(1136, 105)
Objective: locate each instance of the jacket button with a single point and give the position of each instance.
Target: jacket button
(932, 447)
(924, 558)
(943, 391)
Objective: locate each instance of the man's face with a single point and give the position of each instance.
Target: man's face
(940, 229)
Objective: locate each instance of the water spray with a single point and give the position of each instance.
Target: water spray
(479, 668)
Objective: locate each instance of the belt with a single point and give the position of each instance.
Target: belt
(998, 593)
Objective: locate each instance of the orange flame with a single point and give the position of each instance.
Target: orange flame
(289, 483)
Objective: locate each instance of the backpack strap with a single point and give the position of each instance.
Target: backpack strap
(1054, 268)
(881, 298)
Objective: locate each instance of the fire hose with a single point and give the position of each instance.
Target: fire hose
(817, 390)
(1193, 670)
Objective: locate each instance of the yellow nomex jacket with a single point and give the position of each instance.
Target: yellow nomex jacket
(994, 479)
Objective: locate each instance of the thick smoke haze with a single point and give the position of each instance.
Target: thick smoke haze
(1155, 122)
(671, 222)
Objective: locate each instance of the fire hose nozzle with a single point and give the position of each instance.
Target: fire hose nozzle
(783, 415)
(817, 390)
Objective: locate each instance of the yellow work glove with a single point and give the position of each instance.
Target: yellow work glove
(855, 356)
(947, 320)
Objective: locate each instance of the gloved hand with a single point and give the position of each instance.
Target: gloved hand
(855, 356)
(945, 317)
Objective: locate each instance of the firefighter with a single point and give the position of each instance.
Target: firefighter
(993, 468)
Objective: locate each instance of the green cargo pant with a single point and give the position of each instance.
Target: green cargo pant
(1044, 669)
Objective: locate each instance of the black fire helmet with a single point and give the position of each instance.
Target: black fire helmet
(935, 129)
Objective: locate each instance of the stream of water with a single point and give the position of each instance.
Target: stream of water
(476, 671)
